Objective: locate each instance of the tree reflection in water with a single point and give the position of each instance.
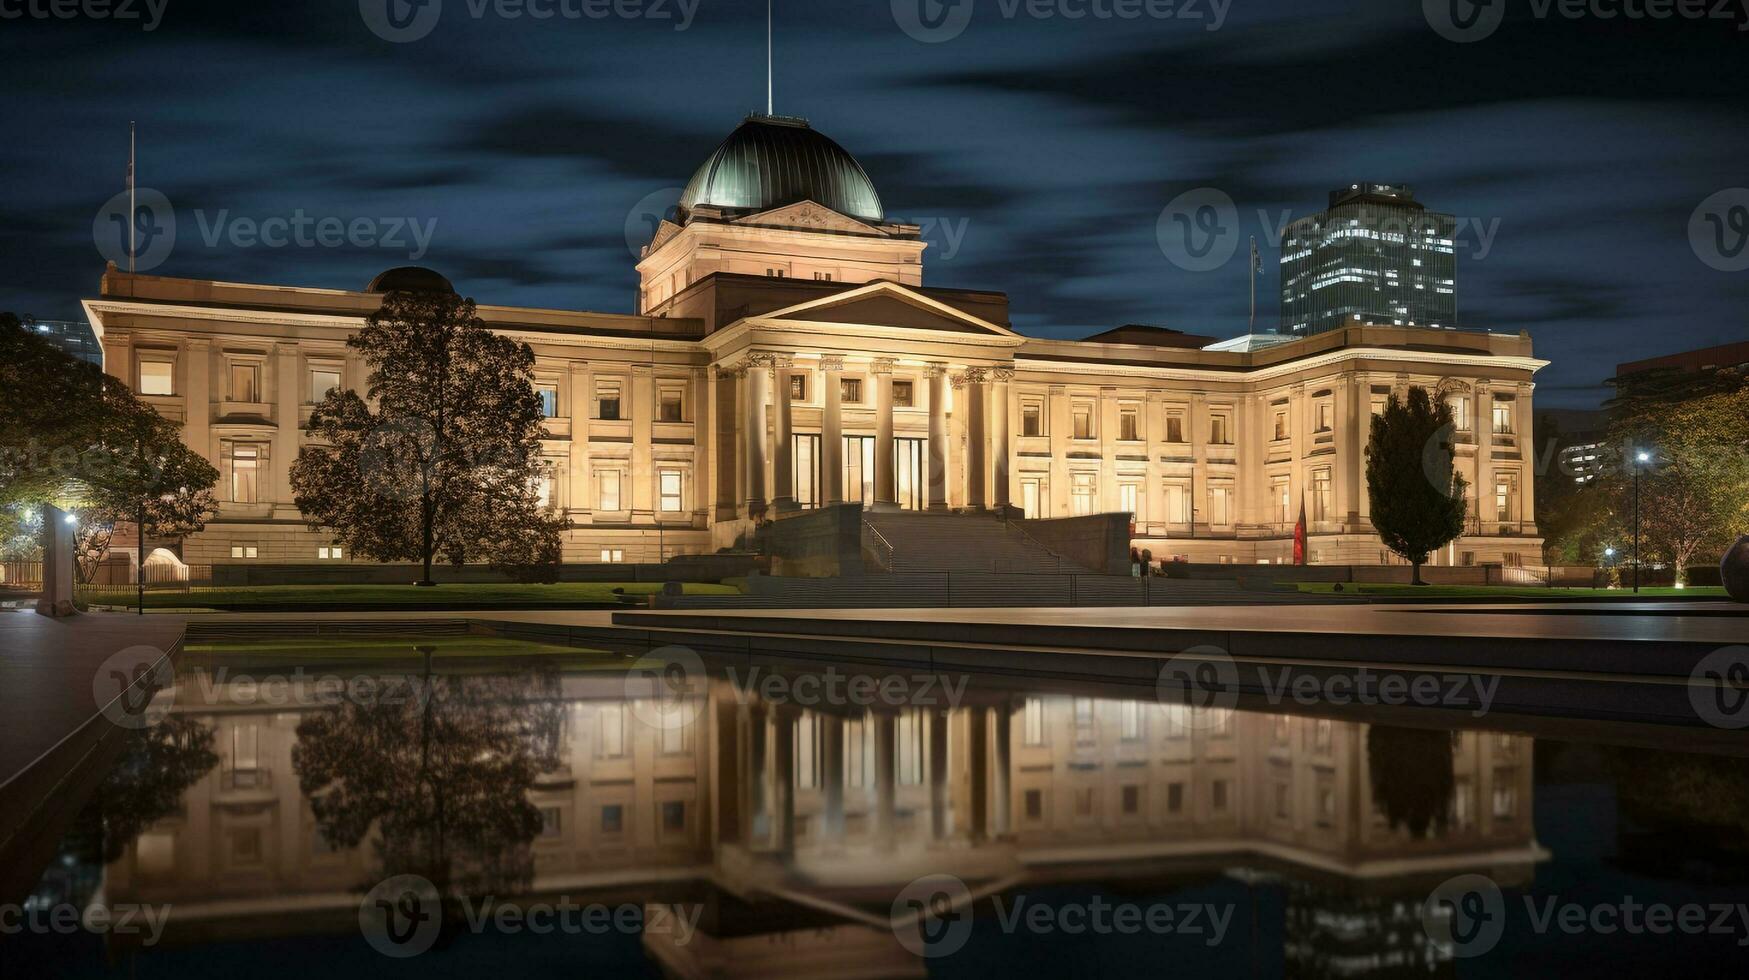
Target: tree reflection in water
(440, 765)
(1411, 776)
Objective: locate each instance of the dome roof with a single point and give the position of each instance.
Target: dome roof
(409, 279)
(773, 161)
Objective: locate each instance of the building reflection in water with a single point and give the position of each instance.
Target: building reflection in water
(795, 827)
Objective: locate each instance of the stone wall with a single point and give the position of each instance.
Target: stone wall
(1097, 542)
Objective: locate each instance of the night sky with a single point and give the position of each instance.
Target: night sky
(1039, 152)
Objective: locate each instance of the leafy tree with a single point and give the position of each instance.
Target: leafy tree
(1411, 775)
(444, 461)
(1415, 493)
(1694, 491)
(440, 765)
(81, 437)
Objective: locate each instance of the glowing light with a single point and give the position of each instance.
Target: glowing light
(1644, 457)
(72, 518)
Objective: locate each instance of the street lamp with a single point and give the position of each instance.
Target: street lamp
(1641, 458)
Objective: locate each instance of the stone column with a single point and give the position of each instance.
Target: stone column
(783, 782)
(757, 828)
(937, 374)
(287, 427)
(938, 787)
(1527, 454)
(783, 473)
(197, 405)
(977, 440)
(832, 428)
(579, 501)
(886, 492)
(978, 762)
(886, 777)
(1001, 412)
(758, 387)
(1001, 765)
(729, 414)
(1484, 490)
(642, 409)
(832, 775)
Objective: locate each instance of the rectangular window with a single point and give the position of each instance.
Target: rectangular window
(805, 450)
(607, 490)
(1129, 500)
(1131, 720)
(245, 382)
(1220, 430)
(613, 732)
(322, 381)
(607, 401)
(669, 482)
(674, 816)
(1460, 412)
(858, 462)
(330, 552)
(1218, 795)
(1281, 501)
(1035, 805)
(1220, 506)
(612, 818)
(1503, 418)
(1030, 496)
(1032, 418)
(1132, 799)
(157, 378)
(245, 551)
(1280, 426)
(549, 401)
(1326, 415)
(850, 390)
(1178, 503)
(822, 277)
(910, 471)
(613, 556)
(1175, 798)
(1082, 415)
(1323, 498)
(1129, 427)
(245, 473)
(544, 486)
(1506, 496)
(1035, 721)
(798, 387)
(671, 404)
(904, 394)
(1083, 492)
(1175, 427)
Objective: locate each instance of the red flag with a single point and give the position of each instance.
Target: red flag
(1300, 535)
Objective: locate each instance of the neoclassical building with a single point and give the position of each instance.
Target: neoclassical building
(786, 354)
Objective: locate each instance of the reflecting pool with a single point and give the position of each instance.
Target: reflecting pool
(445, 812)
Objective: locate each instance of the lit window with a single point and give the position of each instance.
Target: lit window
(245, 382)
(1128, 427)
(607, 490)
(1083, 489)
(1220, 506)
(1175, 427)
(549, 401)
(322, 381)
(1322, 500)
(245, 551)
(1220, 433)
(245, 473)
(1032, 418)
(670, 483)
(1129, 499)
(1502, 418)
(904, 394)
(157, 378)
(1280, 426)
(613, 556)
(850, 390)
(1326, 416)
(1178, 503)
(798, 387)
(1082, 416)
(330, 552)
(671, 404)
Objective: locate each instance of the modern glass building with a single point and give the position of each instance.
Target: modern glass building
(1374, 255)
(74, 337)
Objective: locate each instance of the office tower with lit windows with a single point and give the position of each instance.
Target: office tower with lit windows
(1375, 255)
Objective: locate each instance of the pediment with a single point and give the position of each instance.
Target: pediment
(885, 304)
(807, 214)
(664, 231)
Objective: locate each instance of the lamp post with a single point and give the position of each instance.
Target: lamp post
(1640, 459)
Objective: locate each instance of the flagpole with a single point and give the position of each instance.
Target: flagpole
(769, 103)
(1256, 270)
(133, 226)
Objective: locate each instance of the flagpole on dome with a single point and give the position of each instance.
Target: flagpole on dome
(769, 102)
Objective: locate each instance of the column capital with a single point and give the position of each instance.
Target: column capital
(882, 365)
(1002, 375)
(779, 361)
(935, 370)
(831, 362)
(971, 376)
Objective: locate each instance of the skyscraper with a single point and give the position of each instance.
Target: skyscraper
(1374, 255)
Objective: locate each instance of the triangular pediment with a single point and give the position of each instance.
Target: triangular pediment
(811, 216)
(886, 304)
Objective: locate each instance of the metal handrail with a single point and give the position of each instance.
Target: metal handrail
(881, 539)
(1059, 559)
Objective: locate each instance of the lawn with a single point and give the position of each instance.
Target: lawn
(484, 595)
(1504, 592)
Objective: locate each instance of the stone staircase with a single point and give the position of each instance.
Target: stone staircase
(904, 542)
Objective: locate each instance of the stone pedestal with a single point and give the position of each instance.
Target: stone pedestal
(1734, 570)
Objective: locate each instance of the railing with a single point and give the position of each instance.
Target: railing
(115, 588)
(21, 575)
(1058, 561)
(884, 552)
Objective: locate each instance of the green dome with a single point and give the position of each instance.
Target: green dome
(773, 161)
